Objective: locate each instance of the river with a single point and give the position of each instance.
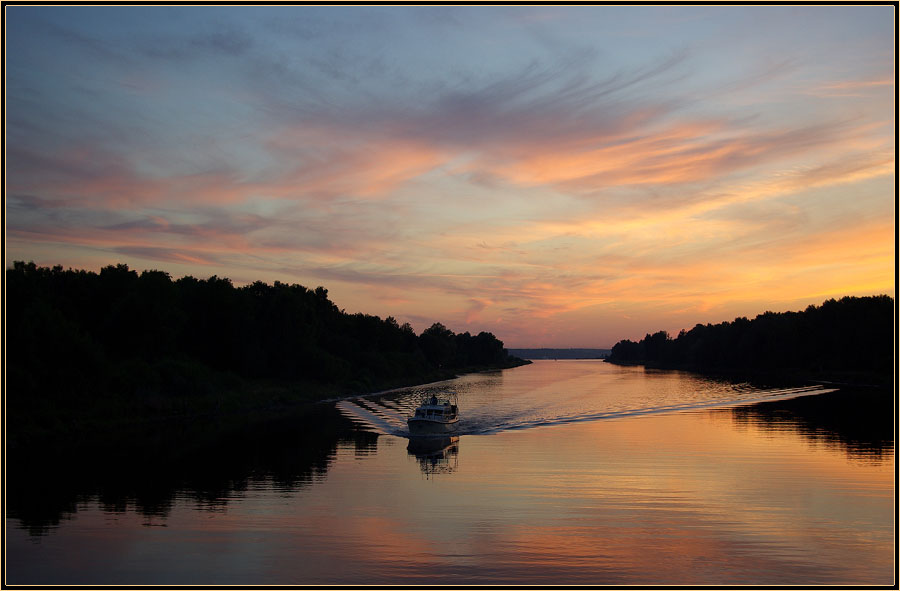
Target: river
(564, 472)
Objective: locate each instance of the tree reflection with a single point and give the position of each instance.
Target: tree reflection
(860, 420)
(208, 462)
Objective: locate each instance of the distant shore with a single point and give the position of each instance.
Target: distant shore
(569, 353)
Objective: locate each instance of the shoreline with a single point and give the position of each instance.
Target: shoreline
(778, 377)
(251, 402)
(449, 376)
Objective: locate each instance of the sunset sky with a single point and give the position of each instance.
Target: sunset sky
(559, 176)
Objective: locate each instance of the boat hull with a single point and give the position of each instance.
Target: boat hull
(422, 426)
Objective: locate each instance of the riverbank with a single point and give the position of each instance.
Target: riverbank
(97, 353)
(225, 401)
(778, 377)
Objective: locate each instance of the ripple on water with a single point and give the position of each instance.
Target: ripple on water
(548, 393)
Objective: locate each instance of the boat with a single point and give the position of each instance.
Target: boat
(436, 416)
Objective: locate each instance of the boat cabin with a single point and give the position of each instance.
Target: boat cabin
(445, 410)
(436, 410)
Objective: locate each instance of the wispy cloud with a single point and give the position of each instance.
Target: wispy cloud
(852, 88)
(519, 171)
(168, 255)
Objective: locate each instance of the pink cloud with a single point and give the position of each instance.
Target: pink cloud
(334, 161)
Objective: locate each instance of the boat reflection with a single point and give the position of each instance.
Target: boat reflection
(435, 455)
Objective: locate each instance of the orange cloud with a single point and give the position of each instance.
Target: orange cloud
(681, 153)
(335, 161)
(851, 88)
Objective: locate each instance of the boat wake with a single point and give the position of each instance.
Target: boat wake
(380, 418)
(387, 413)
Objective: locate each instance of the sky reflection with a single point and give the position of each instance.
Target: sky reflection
(685, 498)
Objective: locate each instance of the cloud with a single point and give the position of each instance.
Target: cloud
(476, 307)
(208, 239)
(541, 105)
(333, 162)
(96, 175)
(33, 203)
(549, 123)
(851, 88)
(548, 179)
(93, 46)
(229, 41)
(373, 149)
(544, 126)
(169, 255)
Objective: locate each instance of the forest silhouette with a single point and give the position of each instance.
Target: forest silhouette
(95, 352)
(90, 350)
(197, 387)
(849, 340)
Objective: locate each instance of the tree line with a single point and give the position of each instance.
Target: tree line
(853, 336)
(144, 341)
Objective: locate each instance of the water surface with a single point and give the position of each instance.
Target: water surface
(573, 472)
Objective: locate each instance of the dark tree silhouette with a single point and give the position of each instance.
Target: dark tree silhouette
(119, 343)
(851, 337)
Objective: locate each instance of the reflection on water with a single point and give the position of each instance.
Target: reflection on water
(205, 464)
(853, 420)
(435, 455)
(554, 393)
(574, 473)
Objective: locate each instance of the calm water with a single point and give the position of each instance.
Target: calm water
(574, 472)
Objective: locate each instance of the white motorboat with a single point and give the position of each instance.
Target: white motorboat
(435, 417)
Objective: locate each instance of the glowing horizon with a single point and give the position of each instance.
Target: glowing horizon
(559, 176)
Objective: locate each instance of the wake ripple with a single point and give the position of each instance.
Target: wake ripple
(764, 396)
(374, 417)
(388, 416)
